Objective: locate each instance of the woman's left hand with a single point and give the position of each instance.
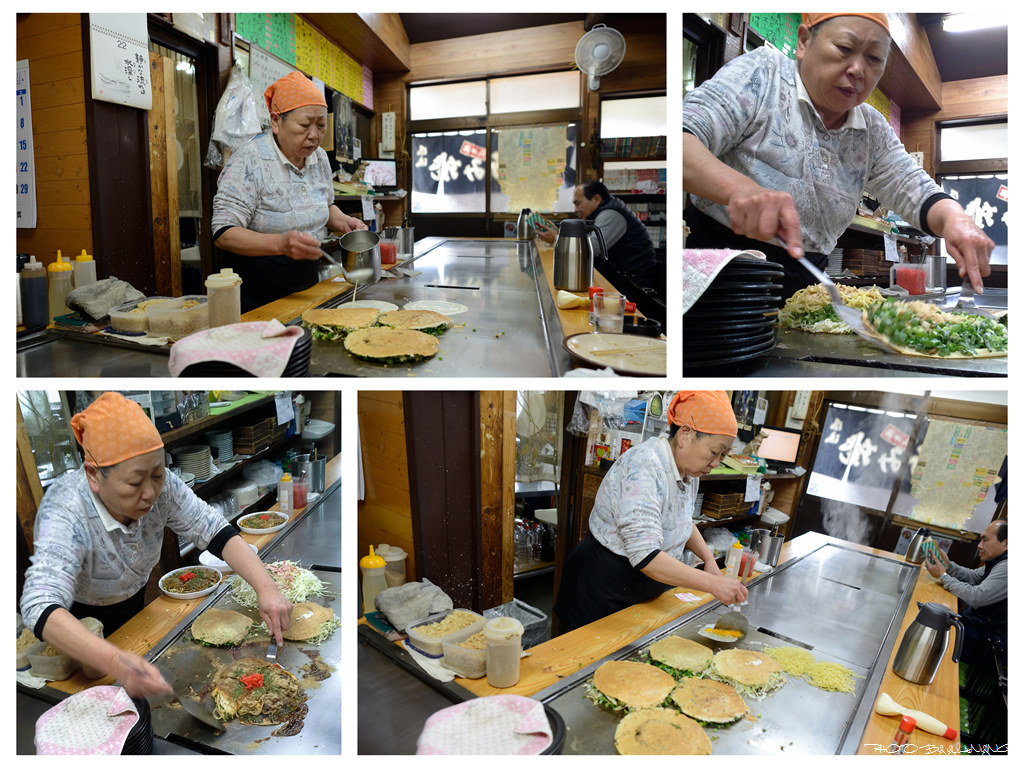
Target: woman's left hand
(353, 224)
(276, 610)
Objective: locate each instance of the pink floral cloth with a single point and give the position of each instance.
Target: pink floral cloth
(490, 725)
(261, 348)
(701, 266)
(94, 722)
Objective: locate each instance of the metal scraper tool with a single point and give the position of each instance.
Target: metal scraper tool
(734, 621)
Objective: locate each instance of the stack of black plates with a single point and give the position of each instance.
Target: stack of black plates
(732, 326)
(139, 740)
(298, 363)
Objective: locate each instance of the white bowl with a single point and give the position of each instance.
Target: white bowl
(208, 559)
(189, 595)
(246, 529)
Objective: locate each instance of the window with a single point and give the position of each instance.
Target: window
(496, 145)
(644, 116)
(431, 102)
(449, 172)
(972, 167)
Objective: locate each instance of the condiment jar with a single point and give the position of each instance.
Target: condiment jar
(84, 269)
(374, 582)
(284, 494)
(224, 298)
(60, 286)
(34, 310)
(395, 559)
(504, 637)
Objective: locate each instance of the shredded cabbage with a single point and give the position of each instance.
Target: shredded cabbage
(295, 583)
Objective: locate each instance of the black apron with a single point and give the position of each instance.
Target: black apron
(706, 232)
(111, 616)
(596, 583)
(268, 278)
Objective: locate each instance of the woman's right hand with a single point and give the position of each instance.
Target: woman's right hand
(300, 246)
(765, 214)
(138, 677)
(728, 589)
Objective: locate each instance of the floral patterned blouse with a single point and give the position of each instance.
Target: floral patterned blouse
(756, 116)
(81, 555)
(643, 506)
(259, 189)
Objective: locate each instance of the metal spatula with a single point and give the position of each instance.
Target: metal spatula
(200, 710)
(733, 621)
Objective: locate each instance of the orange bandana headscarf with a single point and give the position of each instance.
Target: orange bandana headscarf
(703, 411)
(114, 429)
(812, 19)
(290, 92)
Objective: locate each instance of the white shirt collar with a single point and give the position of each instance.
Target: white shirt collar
(854, 118)
(109, 523)
(310, 161)
(666, 451)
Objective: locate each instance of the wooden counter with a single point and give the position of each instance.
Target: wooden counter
(561, 656)
(143, 631)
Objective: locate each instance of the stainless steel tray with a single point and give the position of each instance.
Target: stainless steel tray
(843, 605)
(193, 665)
(510, 328)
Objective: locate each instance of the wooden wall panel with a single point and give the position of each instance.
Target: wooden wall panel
(385, 515)
(961, 99)
(52, 42)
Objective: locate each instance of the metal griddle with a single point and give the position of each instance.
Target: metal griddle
(510, 328)
(193, 665)
(841, 604)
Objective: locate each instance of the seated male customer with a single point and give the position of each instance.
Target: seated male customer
(982, 591)
(630, 250)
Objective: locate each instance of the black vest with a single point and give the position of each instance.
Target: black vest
(633, 254)
(992, 618)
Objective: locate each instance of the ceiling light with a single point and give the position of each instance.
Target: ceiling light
(969, 22)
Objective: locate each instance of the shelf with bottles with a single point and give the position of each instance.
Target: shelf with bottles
(534, 543)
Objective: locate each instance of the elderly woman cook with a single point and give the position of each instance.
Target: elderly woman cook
(641, 523)
(275, 200)
(782, 150)
(98, 535)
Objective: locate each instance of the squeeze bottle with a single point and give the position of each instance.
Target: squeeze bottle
(60, 286)
(284, 494)
(732, 559)
(34, 311)
(374, 581)
(84, 269)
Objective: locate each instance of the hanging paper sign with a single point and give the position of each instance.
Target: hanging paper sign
(119, 55)
(26, 157)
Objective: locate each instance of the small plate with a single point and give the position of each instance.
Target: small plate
(444, 307)
(383, 306)
(207, 559)
(625, 354)
(717, 638)
(189, 595)
(258, 531)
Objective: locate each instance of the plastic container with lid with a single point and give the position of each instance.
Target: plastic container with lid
(84, 269)
(372, 568)
(59, 273)
(504, 649)
(133, 316)
(34, 301)
(431, 641)
(395, 558)
(179, 317)
(468, 662)
(224, 296)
